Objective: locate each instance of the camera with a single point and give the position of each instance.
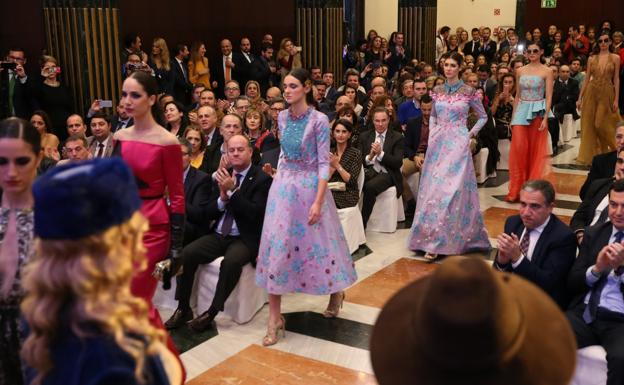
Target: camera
(8, 65)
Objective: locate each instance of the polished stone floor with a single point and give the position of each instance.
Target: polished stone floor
(321, 351)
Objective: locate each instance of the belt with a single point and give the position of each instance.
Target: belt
(154, 197)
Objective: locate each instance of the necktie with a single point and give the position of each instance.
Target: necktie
(589, 314)
(524, 243)
(380, 139)
(9, 254)
(11, 93)
(228, 70)
(100, 151)
(228, 218)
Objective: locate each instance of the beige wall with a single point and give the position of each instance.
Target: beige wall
(382, 16)
(475, 13)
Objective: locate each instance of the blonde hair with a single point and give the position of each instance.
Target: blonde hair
(257, 99)
(87, 282)
(164, 54)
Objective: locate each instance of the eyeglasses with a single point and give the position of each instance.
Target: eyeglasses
(531, 51)
(600, 41)
(231, 88)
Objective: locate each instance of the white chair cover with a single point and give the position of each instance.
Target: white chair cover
(591, 366)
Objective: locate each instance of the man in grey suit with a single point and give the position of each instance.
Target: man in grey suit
(100, 143)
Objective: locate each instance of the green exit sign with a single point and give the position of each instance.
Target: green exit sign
(549, 3)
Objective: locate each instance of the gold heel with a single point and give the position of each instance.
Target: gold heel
(334, 306)
(273, 333)
(431, 257)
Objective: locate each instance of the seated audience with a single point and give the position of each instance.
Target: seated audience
(241, 105)
(198, 145)
(416, 140)
(49, 142)
(384, 101)
(536, 244)
(214, 155)
(53, 97)
(345, 163)
(92, 330)
(101, 143)
(382, 164)
(237, 206)
(260, 138)
(197, 190)
(603, 164)
(75, 126)
(76, 148)
(207, 121)
(276, 105)
(176, 119)
(597, 311)
(232, 93)
(411, 108)
(121, 120)
(593, 209)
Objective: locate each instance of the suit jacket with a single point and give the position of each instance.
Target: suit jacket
(108, 150)
(181, 85)
(488, 50)
(412, 137)
(23, 102)
(247, 204)
(595, 238)
(261, 72)
(244, 68)
(564, 98)
(217, 74)
(596, 192)
(603, 166)
(212, 154)
(115, 123)
(472, 48)
(197, 191)
(552, 257)
(393, 154)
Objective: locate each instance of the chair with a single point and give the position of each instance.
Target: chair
(413, 181)
(591, 366)
(480, 164)
(388, 210)
(244, 302)
(503, 148)
(351, 221)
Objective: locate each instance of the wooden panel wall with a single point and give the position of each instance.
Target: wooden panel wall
(417, 20)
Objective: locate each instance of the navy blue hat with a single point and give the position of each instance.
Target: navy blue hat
(79, 199)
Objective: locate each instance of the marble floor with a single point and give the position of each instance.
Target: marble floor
(321, 351)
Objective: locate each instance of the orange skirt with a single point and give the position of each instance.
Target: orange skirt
(528, 158)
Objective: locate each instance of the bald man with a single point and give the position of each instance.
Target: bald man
(223, 68)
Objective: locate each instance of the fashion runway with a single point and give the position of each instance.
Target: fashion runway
(335, 351)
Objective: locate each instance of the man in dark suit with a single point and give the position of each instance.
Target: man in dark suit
(237, 206)
(382, 165)
(197, 191)
(15, 87)
(486, 83)
(331, 94)
(596, 281)
(101, 143)
(243, 61)
(223, 69)
(565, 94)
(603, 164)
(416, 140)
(261, 70)
(472, 47)
(536, 244)
(121, 120)
(182, 86)
(487, 47)
(593, 209)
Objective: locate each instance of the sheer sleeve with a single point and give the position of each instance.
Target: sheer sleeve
(321, 126)
(477, 105)
(172, 167)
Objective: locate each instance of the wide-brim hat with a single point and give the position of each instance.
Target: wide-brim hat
(79, 199)
(468, 324)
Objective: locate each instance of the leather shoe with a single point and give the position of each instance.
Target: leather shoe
(179, 318)
(203, 322)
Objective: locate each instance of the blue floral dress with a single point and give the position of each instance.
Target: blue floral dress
(294, 256)
(448, 219)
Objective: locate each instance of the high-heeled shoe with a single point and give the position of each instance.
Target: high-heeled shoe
(273, 333)
(334, 306)
(431, 256)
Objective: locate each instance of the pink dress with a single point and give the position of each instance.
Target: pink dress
(294, 256)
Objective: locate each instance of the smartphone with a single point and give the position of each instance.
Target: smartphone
(8, 65)
(106, 103)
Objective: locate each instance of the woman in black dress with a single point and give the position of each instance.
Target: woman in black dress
(53, 97)
(345, 165)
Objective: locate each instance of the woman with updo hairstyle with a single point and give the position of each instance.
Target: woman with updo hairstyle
(448, 220)
(85, 326)
(20, 154)
(303, 248)
(155, 157)
(288, 56)
(176, 118)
